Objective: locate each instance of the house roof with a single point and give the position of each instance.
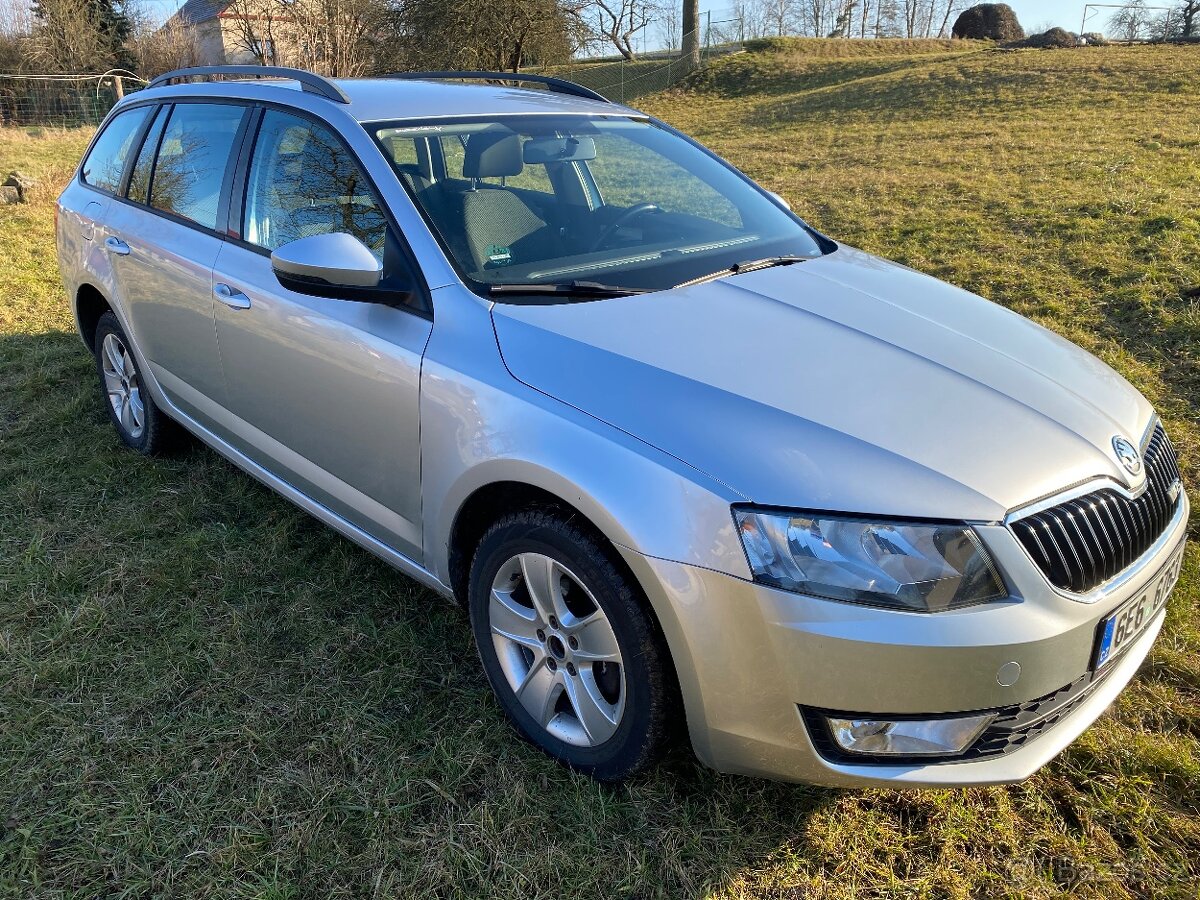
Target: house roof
(194, 12)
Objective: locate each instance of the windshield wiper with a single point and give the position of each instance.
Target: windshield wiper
(570, 288)
(750, 265)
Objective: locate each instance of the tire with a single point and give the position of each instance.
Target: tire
(562, 657)
(139, 422)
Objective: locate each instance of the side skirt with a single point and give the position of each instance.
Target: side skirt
(393, 557)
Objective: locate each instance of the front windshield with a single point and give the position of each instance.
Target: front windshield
(595, 200)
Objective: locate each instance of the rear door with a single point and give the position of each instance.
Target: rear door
(324, 391)
(164, 241)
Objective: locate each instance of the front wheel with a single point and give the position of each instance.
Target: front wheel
(573, 655)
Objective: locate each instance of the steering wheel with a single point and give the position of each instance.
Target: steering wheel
(635, 211)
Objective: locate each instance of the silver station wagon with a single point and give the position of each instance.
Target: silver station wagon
(687, 462)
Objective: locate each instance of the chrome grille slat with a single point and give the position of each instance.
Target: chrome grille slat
(1082, 543)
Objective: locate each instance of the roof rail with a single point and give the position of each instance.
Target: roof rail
(309, 81)
(558, 85)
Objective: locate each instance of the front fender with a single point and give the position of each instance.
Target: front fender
(479, 426)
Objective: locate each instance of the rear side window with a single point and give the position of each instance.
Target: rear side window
(304, 182)
(105, 164)
(192, 158)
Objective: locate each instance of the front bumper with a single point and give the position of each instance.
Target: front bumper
(750, 658)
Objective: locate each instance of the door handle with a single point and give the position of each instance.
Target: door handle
(117, 246)
(231, 297)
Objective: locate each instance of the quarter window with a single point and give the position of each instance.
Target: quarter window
(304, 182)
(192, 158)
(105, 164)
(139, 180)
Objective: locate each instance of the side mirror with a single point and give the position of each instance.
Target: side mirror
(323, 263)
(779, 199)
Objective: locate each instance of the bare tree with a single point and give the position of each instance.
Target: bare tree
(779, 17)
(160, 49)
(1131, 22)
(668, 27)
(254, 23)
(334, 37)
(1190, 19)
(619, 21)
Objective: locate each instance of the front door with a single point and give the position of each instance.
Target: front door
(324, 392)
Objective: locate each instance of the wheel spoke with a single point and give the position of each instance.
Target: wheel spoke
(597, 716)
(112, 382)
(126, 415)
(136, 410)
(114, 355)
(541, 575)
(511, 620)
(539, 692)
(597, 642)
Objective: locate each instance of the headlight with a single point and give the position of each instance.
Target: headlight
(913, 566)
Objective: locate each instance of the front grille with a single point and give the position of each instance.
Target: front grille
(1014, 726)
(1082, 543)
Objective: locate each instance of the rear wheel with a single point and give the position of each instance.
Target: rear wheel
(133, 412)
(573, 655)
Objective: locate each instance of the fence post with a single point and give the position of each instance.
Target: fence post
(119, 87)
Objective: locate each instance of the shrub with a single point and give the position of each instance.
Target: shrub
(989, 21)
(1095, 38)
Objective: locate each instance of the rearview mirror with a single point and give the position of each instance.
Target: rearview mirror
(554, 149)
(314, 265)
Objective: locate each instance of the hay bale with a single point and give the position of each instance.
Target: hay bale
(1054, 39)
(1095, 39)
(989, 22)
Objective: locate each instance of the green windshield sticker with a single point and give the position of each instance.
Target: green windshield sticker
(497, 255)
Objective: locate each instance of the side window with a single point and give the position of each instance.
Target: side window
(105, 164)
(192, 158)
(303, 182)
(139, 180)
(454, 154)
(403, 151)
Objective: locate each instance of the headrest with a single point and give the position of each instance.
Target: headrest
(492, 154)
(294, 140)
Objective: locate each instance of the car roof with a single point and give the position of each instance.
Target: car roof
(389, 99)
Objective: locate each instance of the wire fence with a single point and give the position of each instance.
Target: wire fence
(65, 101)
(624, 79)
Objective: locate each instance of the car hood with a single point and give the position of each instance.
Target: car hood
(844, 383)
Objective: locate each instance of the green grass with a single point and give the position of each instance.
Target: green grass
(203, 693)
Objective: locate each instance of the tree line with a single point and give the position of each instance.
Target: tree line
(360, 37)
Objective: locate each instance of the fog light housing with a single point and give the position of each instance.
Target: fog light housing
(908, 737)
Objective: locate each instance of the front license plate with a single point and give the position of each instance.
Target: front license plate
(1122, 627)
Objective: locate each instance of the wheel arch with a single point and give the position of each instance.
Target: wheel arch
(89, 305)
(487, 503)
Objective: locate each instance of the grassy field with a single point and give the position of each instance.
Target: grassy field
(204, 693)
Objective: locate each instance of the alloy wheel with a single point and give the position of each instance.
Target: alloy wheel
(122, 385)
(557, 649)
